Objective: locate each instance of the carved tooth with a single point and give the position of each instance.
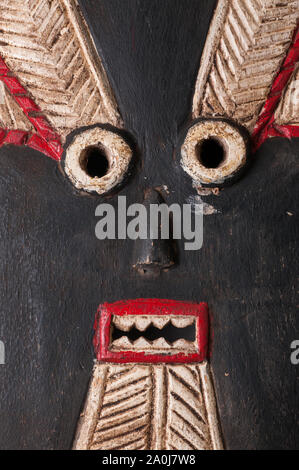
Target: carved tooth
(122, 343)
(142, 322)
(161, 343)
(182, 321)
(183, 344)
(141, 343)
(160, 321)
(123, 323)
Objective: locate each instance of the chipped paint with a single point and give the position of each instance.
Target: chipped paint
(207, 209)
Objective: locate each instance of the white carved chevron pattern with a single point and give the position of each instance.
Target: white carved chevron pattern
(159, 407)
(187, 427)
(287, 112)
(11, 115)
(124, 418)
(41, 44)
(250, 45)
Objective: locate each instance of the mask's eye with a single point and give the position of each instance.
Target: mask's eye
(213, 151)
(97, 160)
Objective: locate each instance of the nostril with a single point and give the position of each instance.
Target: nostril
(147, 270)
(154, 268)
(153, 256)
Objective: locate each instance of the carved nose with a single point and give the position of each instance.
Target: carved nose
(153, 255)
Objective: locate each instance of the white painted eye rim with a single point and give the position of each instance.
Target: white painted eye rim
(118, 153)
(233, 143)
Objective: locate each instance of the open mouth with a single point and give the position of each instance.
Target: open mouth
(151, 330)
(153, 333)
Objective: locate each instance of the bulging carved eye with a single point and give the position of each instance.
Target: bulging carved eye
(97, 160)
(214, 151)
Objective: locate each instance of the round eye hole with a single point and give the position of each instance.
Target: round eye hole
(97, 160)
(214, 151)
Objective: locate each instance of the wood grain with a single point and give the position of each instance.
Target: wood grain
(54, 272)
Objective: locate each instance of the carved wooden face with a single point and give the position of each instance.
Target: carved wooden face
(54, 270)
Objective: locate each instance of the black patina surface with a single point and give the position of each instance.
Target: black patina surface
(54, 272)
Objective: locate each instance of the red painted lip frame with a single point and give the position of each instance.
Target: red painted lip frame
(103, 320)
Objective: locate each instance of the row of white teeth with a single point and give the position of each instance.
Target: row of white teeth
(142, 322)
(142, 344)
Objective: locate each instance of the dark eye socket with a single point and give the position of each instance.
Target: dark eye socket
(214, 150)
(97, 160)
(210, 152)
(94, 161)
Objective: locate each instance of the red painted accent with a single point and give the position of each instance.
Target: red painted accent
(27, 104)
(14, 137)
(102, 326)
(3, 67)
(284, 131)
(265, 126)
(51, 148)
(45, 140)
(13, 85)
